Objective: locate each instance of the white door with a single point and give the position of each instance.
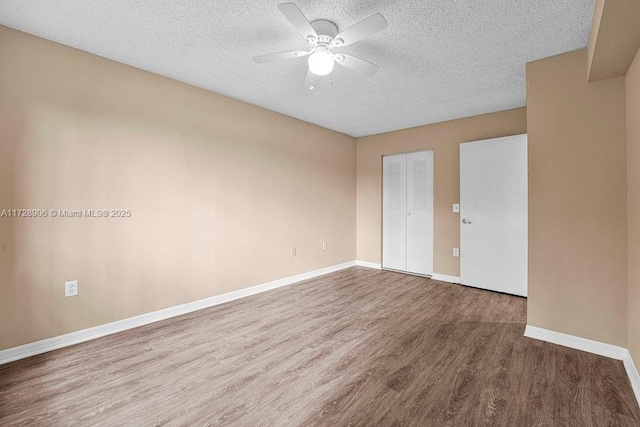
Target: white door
(493, 213)
(394, 212)
(407, 211)
(420, 212)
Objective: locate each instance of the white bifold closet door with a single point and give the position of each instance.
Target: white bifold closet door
(394, 212)
(407, 212)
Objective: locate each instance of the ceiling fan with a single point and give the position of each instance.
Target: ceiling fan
(322, 36)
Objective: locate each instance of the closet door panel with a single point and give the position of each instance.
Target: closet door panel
(394, 212)
(420, 212)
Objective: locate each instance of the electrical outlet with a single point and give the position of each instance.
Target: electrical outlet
(456, 252)
(456, 208)
(293, 251)
(324, 246)
(71, 288)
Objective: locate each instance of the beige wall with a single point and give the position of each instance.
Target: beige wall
(577, 200)
(444, 139)
(633, 207)
(219, 191)
(593, 34)
(615, 38)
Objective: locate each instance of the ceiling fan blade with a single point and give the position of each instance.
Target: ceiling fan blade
(280, 55)
(356, 64)
(362, 29)
(297, 18)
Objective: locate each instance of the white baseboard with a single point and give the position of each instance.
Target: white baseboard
(434, 276)
(369, 264)
(634, 377)
(590, 346)
(445, 278)
(49, 344)
(579, 343)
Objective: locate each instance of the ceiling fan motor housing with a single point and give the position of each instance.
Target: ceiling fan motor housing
(325, 29)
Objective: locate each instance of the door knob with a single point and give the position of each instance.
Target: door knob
(465, 221)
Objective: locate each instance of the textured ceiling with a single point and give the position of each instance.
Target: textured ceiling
(439, 59)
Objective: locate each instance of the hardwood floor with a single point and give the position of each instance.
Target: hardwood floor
(357, 347)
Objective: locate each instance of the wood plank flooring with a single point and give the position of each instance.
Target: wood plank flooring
(357, 347)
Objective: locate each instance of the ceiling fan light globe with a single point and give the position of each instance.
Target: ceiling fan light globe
(321, 63)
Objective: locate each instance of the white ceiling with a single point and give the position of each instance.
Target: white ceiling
(439, 59)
